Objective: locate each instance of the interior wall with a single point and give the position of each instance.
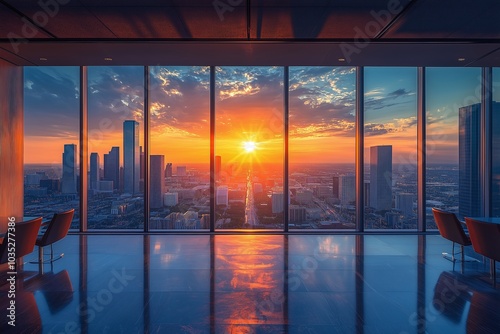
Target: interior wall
(11, 143)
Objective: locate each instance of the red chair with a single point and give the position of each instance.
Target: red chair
(485, 239)
(57, 229)
(451, 228)
(25, 238)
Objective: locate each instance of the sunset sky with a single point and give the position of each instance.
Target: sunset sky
(249, 107)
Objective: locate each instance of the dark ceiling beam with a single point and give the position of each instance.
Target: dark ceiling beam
(27, 18)
(389, 25)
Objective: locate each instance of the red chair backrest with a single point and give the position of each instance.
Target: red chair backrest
(25, 238)
(485, 238)
(58, 227)
(450, 227)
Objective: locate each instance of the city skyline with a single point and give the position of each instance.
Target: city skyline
(179, 109)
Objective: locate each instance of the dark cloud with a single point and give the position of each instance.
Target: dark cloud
(51, 101)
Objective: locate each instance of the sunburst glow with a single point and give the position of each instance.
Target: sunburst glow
(249, 146)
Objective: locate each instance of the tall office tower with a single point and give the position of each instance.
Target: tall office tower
(168, 170)
(94, 171)
(218, 164)
(112, 167)
(335, 184)
(277, 202)
(495, 160)
(469, 160)
(181, 171)
(367, 194)
(221, 196)
(381, 177)
(131, 157)
(141, 163)
(347, 189)
(157, 188)
(69, 169)
(404, 203)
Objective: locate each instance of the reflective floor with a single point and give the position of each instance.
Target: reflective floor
(253, 284)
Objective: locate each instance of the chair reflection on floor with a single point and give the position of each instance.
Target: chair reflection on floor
(448, 299)
(483, 314)
(27, 315)
(56, 289)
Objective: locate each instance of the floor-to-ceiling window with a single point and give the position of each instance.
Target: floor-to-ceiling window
(495, 153)
(322, 147)
(249, 139)
(180, 147)
(51, 141)
(452, 141)
(249, 148)
(115, 147)
(390, 132)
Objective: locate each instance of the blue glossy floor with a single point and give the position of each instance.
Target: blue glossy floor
(253, 284)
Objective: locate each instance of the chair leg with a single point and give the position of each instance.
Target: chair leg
(51, 253)
(493, 271)
(453, 252)
(40, 253)
(462, 250)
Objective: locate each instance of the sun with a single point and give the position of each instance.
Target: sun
(249, 146)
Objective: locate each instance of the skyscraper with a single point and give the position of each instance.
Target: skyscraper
(157, 188)
(131, 157)
(94, 171)
(347, 189)
(181, 171)
(221, 196)
(68, 182)
(168, 170)
(335, 185)
(112, 167)
(381, 177)
(469, 160)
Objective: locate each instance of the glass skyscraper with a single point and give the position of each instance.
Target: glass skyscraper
(381, 177)
(469, 160)
(68, 185)
(131, 157)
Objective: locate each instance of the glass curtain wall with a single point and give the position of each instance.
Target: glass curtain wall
(390, 154)
(453, 107)
(180, 148)
(495, 154)
(51, 141)
(249, 153)
(322, 147)
(115, 147)
(249, 148)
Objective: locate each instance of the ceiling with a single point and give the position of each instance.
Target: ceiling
(251, 32)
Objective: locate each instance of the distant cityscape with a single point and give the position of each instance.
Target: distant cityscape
(321, 196)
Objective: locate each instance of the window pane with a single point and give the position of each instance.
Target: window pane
(51, 141)
(322, 147)
(180, 148)
(390, 148)
(249, 147)
(495, 156)
(452, 138)
(115, 139)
